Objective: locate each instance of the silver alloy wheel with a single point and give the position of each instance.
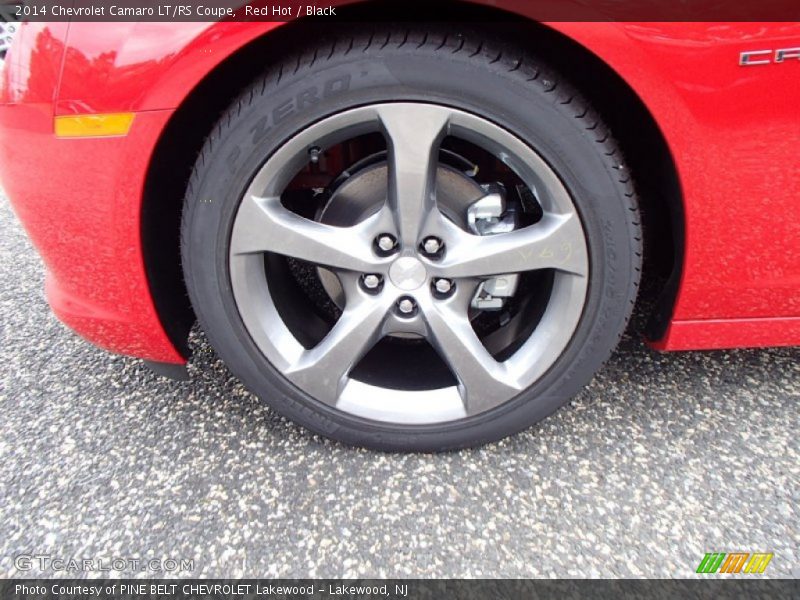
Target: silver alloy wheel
(413, 133)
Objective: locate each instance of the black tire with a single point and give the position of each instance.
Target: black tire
(465, 71)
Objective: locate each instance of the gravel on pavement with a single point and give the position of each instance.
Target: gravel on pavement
(662, 458)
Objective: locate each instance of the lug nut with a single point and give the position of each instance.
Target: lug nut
(443, 286)
(385, 242)
(432, 246)
(371, 282)
(406, 306)
(313, 154)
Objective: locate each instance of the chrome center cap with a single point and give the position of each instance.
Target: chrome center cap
(407, 273)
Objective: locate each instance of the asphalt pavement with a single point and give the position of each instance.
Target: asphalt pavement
(664, 457)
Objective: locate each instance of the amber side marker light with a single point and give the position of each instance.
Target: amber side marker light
(73, 126)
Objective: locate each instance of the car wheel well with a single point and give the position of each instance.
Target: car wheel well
(646, 153)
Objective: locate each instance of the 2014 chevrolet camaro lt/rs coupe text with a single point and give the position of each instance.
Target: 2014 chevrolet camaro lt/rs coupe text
(413, 237)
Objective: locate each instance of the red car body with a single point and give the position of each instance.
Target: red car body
(732, 132)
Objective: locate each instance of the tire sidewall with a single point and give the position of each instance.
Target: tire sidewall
(281, 105)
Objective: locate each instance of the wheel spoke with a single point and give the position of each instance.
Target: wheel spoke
(323, 370)
(414, 133)
(483, 382)
(265, 225)
(555, 242)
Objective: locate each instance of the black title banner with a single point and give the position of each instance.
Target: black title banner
(392, 10)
